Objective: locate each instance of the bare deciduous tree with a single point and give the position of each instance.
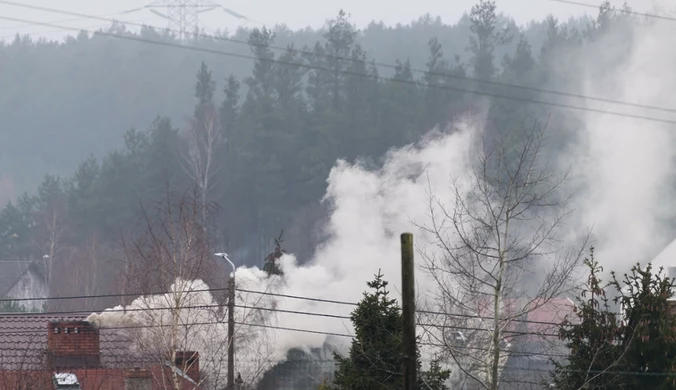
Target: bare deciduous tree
(169, 257)
(51, 213)
(173, 268)
(86, 270)
(499, 258)
(202, 138)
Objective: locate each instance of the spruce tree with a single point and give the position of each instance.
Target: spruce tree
(487, 35)
(591, 337)
(375, 359)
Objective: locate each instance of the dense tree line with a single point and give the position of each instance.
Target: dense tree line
(59, 102)
(262, 145)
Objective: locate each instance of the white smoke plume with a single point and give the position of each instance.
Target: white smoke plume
(200, 324)
(624, 167)
(621, 167)
(370, 210)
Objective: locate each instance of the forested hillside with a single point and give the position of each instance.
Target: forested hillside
(270, 127)
(59, 102)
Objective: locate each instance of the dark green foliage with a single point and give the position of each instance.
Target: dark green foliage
(375, 360)
(271, 265)
(487, 35)
(283, 119)
(16, 225)
(635, 352)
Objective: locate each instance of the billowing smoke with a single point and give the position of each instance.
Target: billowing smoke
(370, 210)
(624, 167)
(188, 318)
(621, 169)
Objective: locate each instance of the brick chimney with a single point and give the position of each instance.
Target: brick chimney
(72, 345)
(189, 362)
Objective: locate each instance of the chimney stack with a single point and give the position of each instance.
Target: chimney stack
(189, 363)
(72, 345)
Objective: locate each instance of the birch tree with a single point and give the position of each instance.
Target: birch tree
(51, 217)
(163, 263)
(179, 310)
(499, 257)
(202, 138)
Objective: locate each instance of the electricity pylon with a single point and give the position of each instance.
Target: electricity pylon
(183, 15)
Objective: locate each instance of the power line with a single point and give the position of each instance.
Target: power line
(276, 310)
(311, 360)
(358, 74)
(25, 332)
(265, 293)
(79, 18)
(297, 297)
(417, 311)
(514, 353)
(183, 325)
(625, 11)
(389, 66)
(183, 15)
(30, 34)
(139, 294)
(447, 314)
(177, 308)
(294, 312)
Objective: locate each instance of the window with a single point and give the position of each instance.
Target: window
(138, 384)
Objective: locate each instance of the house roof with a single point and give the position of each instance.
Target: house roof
(551, 311)
(23, 343)
(538, 316)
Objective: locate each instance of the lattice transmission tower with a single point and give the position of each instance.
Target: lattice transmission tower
(183, 15)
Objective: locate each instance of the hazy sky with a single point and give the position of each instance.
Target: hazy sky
(294, 13)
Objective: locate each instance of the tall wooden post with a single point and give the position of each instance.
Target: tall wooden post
(408, 312)
(231, 332)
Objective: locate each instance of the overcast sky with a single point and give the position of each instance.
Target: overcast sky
(294, 13)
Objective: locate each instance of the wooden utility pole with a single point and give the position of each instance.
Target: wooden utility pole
(231, 332)
(408, 312)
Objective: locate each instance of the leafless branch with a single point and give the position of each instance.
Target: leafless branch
(496, 236)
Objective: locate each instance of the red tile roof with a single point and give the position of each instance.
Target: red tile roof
(23, 343)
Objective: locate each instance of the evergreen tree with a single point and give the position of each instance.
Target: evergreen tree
(16, 230)
(519, 67)
(375, 359)
(635, 352)
(204, 89)
(229, 110)
(82, 198)
(592, 338)
(487, 35)
(399, 107)
(648, 328)
(437, 107)
(340, 44)
(162, 165)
